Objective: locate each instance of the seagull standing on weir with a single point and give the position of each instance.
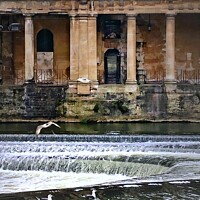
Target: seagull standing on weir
(46, 125)
(48, 198)
(92, 196)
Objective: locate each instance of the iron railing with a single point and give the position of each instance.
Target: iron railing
(60, 77)
(191, 76)
(155, 76)
(50, 76)
(183, 76)
(43, 76)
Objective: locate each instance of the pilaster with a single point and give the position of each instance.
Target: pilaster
(83, 47)
(83, 52)
(29, 48)
(131, 49)
(92, 48)
(170, 47)
(74, 47)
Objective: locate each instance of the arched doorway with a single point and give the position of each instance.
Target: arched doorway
(112, 66)
(45, 47)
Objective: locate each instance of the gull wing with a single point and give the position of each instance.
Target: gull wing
(55, 124)
(38, 129)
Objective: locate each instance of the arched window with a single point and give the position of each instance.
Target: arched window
(112, 66)
(44, 41)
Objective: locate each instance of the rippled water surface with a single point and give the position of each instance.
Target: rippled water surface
(121, 161)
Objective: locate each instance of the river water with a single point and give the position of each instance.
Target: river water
(121, 161)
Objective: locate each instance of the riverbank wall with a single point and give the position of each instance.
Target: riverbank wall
(111, 103)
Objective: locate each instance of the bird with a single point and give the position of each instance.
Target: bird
(46, 125)
(83, 80)
(92, 196)
(49, 197)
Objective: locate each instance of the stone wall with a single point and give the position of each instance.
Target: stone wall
(149, 102)
(12, 102)
(31, 102)
(113, 103)
(185, 102)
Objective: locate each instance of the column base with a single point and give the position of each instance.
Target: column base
(170, 86)
(130, 82)
(31, 81)
(72, 87)
(83, 88)
(76, 87)
(131, 86)
(94, 86)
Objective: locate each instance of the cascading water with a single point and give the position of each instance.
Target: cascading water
(73, 161)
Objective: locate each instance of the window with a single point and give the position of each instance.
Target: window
(112, 29)
(45, 41)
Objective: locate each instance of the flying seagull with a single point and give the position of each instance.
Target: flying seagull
(83, 80)
(46, 125)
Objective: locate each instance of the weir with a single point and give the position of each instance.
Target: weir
(115, 157)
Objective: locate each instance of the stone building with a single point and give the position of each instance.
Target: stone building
(142, 57)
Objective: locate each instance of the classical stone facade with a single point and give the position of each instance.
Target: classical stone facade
(129, 50)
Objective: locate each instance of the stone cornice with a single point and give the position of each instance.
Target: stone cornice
(98, 7)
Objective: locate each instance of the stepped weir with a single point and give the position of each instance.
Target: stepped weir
(72, 161)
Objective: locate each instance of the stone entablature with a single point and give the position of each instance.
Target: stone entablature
(99, 7)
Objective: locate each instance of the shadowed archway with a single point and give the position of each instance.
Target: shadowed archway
(112, 66)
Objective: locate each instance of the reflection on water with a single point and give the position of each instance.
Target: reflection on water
(105, 128)
(112, 158)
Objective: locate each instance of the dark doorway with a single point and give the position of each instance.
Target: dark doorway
(112, 66)
(45, 56)
(45, 41)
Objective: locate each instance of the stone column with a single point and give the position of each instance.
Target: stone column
(74, 48)
(131, 49)
(170, 48)
(92, 49)
(83, 47)
(29, 48)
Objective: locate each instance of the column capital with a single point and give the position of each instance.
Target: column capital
(131, 15)
(170, 15)
(28, 15)
(72, 14)
(92, 16)
(82, 16)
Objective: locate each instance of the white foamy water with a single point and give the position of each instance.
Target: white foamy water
(46, 165)
(22, 181)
